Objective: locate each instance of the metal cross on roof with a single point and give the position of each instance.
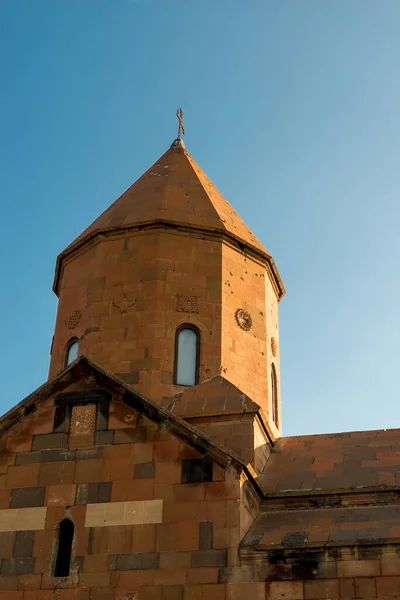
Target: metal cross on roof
(181, 128)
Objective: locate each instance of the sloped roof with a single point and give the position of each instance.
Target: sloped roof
(351, 460)
(174, 189)
(214, 397)
(329, 490)
(325, 526)
(82, 369)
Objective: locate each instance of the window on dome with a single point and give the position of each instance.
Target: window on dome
(187, 355)
(274, 395)
(72, 351)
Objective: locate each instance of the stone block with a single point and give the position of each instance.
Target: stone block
(285, 590)
(17, 566)
(128, 562)
(358, 568)
(48, 441)
(205, 535)
(123, 513)
(144, 470)
(56, 473)
(24, 544)
(127, 436)
(197, 470)
(27, 497)
(104, 438)
(20, 519)
(209, 558)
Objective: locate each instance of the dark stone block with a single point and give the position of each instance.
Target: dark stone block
(27, 497)
(45, 441)
(17, 566)
(126, 436)
(89, 453)
(102, 415)
(27, 458)
(144, 470)
(128, 562)
(296, 539)
(205, 535)
(104, 491)
(90, 541)
(57, 455)
(98, 492)
(197, 470)
(82, 492)
(131, 378)
(104, 438)
(24, 544)
(77, 562)
(208, 558)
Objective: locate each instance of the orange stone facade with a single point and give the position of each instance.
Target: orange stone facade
(124, 292)
(183, 492)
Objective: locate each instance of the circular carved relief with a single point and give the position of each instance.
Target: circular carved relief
(243, 319)
(73, 319)
(274, 347)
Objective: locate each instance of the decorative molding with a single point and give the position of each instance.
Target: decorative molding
(125, 302)
(187, 304)
(274, 347)
(73, 319)
(83, 419)
(243, 319)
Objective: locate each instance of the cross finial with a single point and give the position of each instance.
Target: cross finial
(181, 128)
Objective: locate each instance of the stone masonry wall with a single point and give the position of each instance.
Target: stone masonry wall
(140, 531)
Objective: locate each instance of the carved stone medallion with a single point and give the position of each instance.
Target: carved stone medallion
(243, 319)
(188, 304)
(274, 347)
(73, 319)
(83, 419)
(125, 302)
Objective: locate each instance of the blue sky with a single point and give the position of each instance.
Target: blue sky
(292, 108)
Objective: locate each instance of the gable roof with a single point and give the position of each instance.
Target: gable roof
(82, 368)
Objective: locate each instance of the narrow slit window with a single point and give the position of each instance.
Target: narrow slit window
(274, 395)
(64, 548)
(186, 356)
(72, 351)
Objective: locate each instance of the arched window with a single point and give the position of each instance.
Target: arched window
(274, 395)
(64, 547)
(72, 351)
(187, 344)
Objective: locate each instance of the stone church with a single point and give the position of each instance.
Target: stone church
(150, 465)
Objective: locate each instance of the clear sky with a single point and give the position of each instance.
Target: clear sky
(291, 107)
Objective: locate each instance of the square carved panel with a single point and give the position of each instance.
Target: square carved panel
(83, 419)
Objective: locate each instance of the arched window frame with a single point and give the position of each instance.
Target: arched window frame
(197, 332)
(65, 537)
(274, 395)
(72, 341)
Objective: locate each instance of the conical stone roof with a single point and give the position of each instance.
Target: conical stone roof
(176, 190)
